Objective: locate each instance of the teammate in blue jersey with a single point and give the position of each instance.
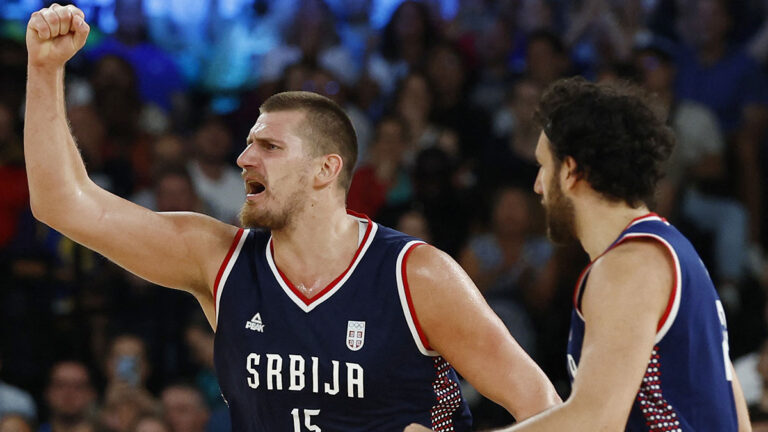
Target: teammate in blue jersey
(648, 348)
(325, 321)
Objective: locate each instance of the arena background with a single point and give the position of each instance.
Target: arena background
(441, 94)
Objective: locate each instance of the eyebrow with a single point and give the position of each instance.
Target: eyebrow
(251, 139)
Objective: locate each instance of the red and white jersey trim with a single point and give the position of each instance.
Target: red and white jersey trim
(646, 218)
(673, 304)
(405, 300)
(308, 304)
(226, 267)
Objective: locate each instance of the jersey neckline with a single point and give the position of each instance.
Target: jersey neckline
(306, 303)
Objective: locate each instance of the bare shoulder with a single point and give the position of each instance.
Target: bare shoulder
(442, 292)
(428, 261)
(429, 268)
(639, 271)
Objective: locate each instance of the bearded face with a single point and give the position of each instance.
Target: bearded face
(560, 215)
(275, 213)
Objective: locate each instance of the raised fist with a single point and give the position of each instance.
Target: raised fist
(55, 34)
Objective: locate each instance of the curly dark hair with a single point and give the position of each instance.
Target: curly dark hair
(617, 137)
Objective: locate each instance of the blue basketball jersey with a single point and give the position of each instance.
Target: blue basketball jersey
(351, 358)
(687, 385)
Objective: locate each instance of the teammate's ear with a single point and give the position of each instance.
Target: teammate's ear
(329, 170)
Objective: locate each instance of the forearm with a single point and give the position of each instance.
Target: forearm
(535, 395)
(55, 170)
(742, 412)
(566, 417)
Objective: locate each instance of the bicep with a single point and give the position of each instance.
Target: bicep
(176, 250)
(460, 325)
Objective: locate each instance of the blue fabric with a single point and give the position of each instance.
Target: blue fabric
(158, 76)
(383, 385)
(726, 86)
(686, 385)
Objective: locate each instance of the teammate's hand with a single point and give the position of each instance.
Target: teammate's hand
(54, 35)
(413, 427)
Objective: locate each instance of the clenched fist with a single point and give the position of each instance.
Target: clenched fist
(54, 35)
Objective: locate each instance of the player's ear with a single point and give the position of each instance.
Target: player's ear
(329, 170)
(569, 173)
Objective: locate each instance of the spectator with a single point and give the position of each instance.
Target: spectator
(185, 409)
(199, 339)
(729, 82)
(607, 31)
(696, 175)
(505, 261)
(495, 75)
(217, 183)
(124, 406)
(445, 206)
(13, 179)
(168, 150)
(383, 179)
(413, 103)
(414, 223)
(126, 149)
(151, 423)
(546, 58)
(509, 159)
(126, 363)
(159, 80)
(405, 42)
(70, 396)
(14, 423)
(16, 401)
(447, 72)
(311, 37)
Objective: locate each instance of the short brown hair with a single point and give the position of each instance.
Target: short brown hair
(327, 127)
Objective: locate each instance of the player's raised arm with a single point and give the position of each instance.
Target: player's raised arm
(178, 250)
(460, 325)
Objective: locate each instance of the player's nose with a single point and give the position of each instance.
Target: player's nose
(537, 187)
(248, 157)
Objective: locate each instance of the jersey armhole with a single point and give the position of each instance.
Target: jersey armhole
(226, 267)
(673, 303)
(407, 302)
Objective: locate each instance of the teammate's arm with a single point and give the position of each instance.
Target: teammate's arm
(178, 250)
(459, 325)
(618, 340)
(742, 412)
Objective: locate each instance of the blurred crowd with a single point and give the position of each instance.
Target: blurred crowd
(443, 108)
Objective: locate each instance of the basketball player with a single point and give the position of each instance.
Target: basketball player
(325, 321)
(648, 348)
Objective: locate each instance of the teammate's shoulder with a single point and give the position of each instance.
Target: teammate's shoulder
(636, 257)
(635, 252)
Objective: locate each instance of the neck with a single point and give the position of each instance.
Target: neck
(302, 250)
(599, 223)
